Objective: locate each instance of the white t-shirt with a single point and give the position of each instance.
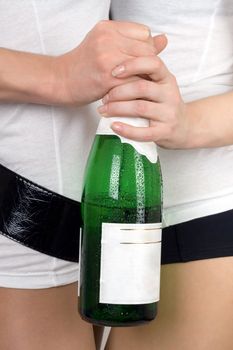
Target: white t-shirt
(200, 53)
(48, 145)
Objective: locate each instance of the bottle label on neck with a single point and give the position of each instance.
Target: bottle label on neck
(130, 263)
(148, 149)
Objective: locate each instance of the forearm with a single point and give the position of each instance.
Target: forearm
(77, 77)
(28, 78)
(210, 121)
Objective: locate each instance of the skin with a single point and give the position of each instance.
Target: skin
(43, 319)
(195, 310)
(173, 124)
(48, 318)
(66, 79)
(196, 306)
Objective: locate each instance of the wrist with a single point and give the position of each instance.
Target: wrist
(28, 78)
(62, 77)
(198, 133)
(48, 89)
(42, 83)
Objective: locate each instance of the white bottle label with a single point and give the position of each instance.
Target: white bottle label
(130, 263)
(148, 149)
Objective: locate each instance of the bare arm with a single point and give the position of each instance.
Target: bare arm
(26, 77)
(77, 77)
(173, 124)
(211, 121)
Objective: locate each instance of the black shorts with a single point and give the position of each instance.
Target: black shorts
(204, 238)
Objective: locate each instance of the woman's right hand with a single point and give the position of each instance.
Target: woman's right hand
(79, 76)
(84, 74)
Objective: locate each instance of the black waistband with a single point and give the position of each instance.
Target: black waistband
(37, 217)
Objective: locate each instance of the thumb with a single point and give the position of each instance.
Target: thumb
(160, 42)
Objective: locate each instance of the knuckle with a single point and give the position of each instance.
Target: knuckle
(102, 36)
(101, 26)
(146, 29)
(112, 94)
(168, 132)
(101, 42)
(157, 63)
(173, 78)
(172, 118)
(102, 60)
(172, 123)
(176, 101)
(170, 128)
(142, 87)
(104, 80)
(140, 107)
(149, 136)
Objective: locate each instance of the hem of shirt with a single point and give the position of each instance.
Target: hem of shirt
(190, 211)
(31, 281)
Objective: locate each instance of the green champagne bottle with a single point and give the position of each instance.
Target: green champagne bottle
(121, 233)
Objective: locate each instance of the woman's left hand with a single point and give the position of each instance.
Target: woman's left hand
(157, 99)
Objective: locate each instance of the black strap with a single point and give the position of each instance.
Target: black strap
(37, 217)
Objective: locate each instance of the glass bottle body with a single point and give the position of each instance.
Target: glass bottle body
(121, 187)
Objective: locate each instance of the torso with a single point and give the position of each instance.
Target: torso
(48, 145)
(200, 54)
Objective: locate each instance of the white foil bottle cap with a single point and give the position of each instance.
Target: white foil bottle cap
(148, 149)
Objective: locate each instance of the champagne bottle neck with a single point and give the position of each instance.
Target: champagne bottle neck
(148, 149)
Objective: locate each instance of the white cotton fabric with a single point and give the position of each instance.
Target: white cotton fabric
(48, 145)
(200, 53)
(25, 268)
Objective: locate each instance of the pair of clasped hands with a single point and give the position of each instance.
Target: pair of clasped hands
(119, 60)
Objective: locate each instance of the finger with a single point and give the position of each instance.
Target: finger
(136, 48)
(152, 66)
(117, 82)
(160, 42)
(133, 30)
(138, 89)
(152, 133)
(138, 108)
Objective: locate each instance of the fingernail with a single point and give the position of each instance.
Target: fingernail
(118, 70)
(105, 99)
(147, 31)
(117, 126)
(102, 110)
